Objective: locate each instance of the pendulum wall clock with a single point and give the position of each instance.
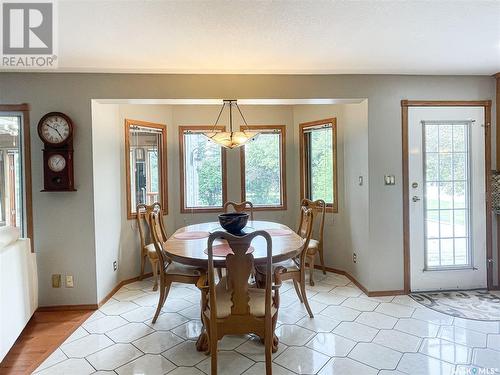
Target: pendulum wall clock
(56, 131)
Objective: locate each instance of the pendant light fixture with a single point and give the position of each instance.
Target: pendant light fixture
(231, 139)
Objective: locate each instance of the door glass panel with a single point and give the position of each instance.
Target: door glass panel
(11, 173)
(446, 194)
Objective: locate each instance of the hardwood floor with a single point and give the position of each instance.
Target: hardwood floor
(43, 334)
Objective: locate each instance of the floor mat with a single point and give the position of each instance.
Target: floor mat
(471, 304)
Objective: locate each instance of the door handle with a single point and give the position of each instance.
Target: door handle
(415, 198)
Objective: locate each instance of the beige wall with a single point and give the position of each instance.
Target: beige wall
(64, 224)
(107, 203)
(356, 206)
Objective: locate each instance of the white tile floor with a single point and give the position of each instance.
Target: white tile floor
(351, 334)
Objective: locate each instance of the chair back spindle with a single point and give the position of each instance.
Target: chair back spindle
(157, 235)
(239, 207)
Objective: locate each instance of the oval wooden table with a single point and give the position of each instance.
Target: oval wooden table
(286, 245)
(192, 251)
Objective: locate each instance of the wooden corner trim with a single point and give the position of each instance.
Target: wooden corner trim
(23, 107)
(445, 103)
(66, 308)
(119, 285)
(373, 293)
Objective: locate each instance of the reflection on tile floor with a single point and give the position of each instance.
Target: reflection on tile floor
(351, 334)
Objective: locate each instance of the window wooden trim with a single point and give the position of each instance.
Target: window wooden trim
(303, 188)
(162, 160)
(198, 128)
(24, 109)
(283, 196)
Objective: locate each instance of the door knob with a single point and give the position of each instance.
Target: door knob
(415, 198)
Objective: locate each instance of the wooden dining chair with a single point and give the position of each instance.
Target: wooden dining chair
(233, 307)
(294, 269)
(315, 245)
(240, 207)
(147, 248)
(169, 271)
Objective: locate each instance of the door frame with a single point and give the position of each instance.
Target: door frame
(24, 109)
(405, 104)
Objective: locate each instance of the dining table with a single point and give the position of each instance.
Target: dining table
(188, 245)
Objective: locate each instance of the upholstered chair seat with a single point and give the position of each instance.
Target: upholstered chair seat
(313, 247)
(289, 265)
(151, 251)
(182, 270)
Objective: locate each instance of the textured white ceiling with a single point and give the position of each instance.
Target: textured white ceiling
(409, 37)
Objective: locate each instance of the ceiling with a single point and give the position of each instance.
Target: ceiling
(301, 37)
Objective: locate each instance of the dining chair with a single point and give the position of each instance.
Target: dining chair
(240, 207)
(147, 248)
(233, 306)
(315, 245)
(169, 271)
(294, 269)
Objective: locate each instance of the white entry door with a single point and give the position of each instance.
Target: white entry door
(447, 198)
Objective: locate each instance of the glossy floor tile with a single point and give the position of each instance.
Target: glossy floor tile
(350, 334)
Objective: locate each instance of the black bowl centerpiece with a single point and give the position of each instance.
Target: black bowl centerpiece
(233, 222)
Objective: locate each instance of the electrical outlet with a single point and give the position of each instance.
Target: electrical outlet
(56, 281)
(69, 281)
(115, 266)
(354, 258)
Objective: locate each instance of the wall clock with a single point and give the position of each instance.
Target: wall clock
(56, 132)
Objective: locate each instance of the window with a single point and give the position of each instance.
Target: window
(318, 163)
(146, 172)
(203, 171)
(447, 190)
(263, 163)
(15, 173)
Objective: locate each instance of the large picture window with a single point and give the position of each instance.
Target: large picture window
(263, 178)
(146, 169)
(203, 171)
(318, 166)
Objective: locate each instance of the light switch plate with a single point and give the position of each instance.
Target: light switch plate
(69, 281)
(390, 180)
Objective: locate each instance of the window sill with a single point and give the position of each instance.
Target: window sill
(199, 210)
(270, 208)
(464, 268)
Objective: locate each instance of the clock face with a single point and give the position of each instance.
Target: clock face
(55, 129)
(57, 163)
